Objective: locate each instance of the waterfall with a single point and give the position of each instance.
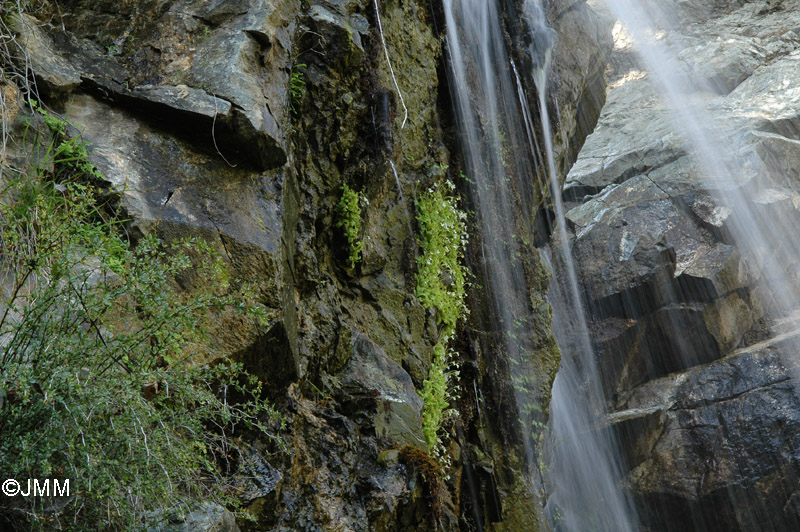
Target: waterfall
(728, 166)
(498, 167)
(498, 145)
(584, 466)
(485, 104)
(725, 157)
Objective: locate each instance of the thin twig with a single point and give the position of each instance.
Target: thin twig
(214, 136)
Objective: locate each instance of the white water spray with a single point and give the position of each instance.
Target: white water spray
(584, 468)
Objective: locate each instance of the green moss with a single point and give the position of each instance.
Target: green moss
(350, 220)
(441, 286)
(414, 51)
(70, 153)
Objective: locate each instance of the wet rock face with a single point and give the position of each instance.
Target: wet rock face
(188, 112)
(715, 447)
(576, 85)
(707, 415)
(239, 122)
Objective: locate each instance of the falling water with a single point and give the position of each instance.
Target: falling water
(498, 166)
(732, 172)
(584, 468)
(402, 197)
(500, 153)
(724, 156)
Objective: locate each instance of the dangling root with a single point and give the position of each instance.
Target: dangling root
(391, 70)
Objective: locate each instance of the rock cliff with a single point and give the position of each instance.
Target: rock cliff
(702, 383)
(240, 122)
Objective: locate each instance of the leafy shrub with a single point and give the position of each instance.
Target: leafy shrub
(350, 220)
(441, 285)
(97, 378)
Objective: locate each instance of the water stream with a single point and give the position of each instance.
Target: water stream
(584, 467)
(724, 155)
(498, 165)
(729, 168)
(500, 150)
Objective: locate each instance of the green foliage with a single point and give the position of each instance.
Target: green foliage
(440, 276)
(98, 379)
(9, 12)
(435, 395)
(297, 88)
(349, 210)
(70, 154)
(441, 285)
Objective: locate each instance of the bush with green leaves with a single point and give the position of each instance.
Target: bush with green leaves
(441, 285)
(99, 375)
(349, 210)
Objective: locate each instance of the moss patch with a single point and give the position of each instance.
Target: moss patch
(350, 220)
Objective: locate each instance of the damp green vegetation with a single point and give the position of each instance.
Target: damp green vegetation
(297, 88)
(99, 379)
(441, 286)
(349, 211)
(70, 153)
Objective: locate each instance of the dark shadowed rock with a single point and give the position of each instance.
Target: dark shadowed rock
(728, 428)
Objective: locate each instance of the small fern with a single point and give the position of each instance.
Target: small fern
(297, 88)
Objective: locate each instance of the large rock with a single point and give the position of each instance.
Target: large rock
(166, 185)
(650, 232)
(716, 447)
(371, 380)
(230, 81)
(708, 425)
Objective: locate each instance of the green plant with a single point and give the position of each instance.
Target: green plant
(69, 154)
(297, 88)
(349, 210)
(98, 375)
(441, 285)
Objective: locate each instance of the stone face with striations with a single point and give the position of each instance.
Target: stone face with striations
(705, 407)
